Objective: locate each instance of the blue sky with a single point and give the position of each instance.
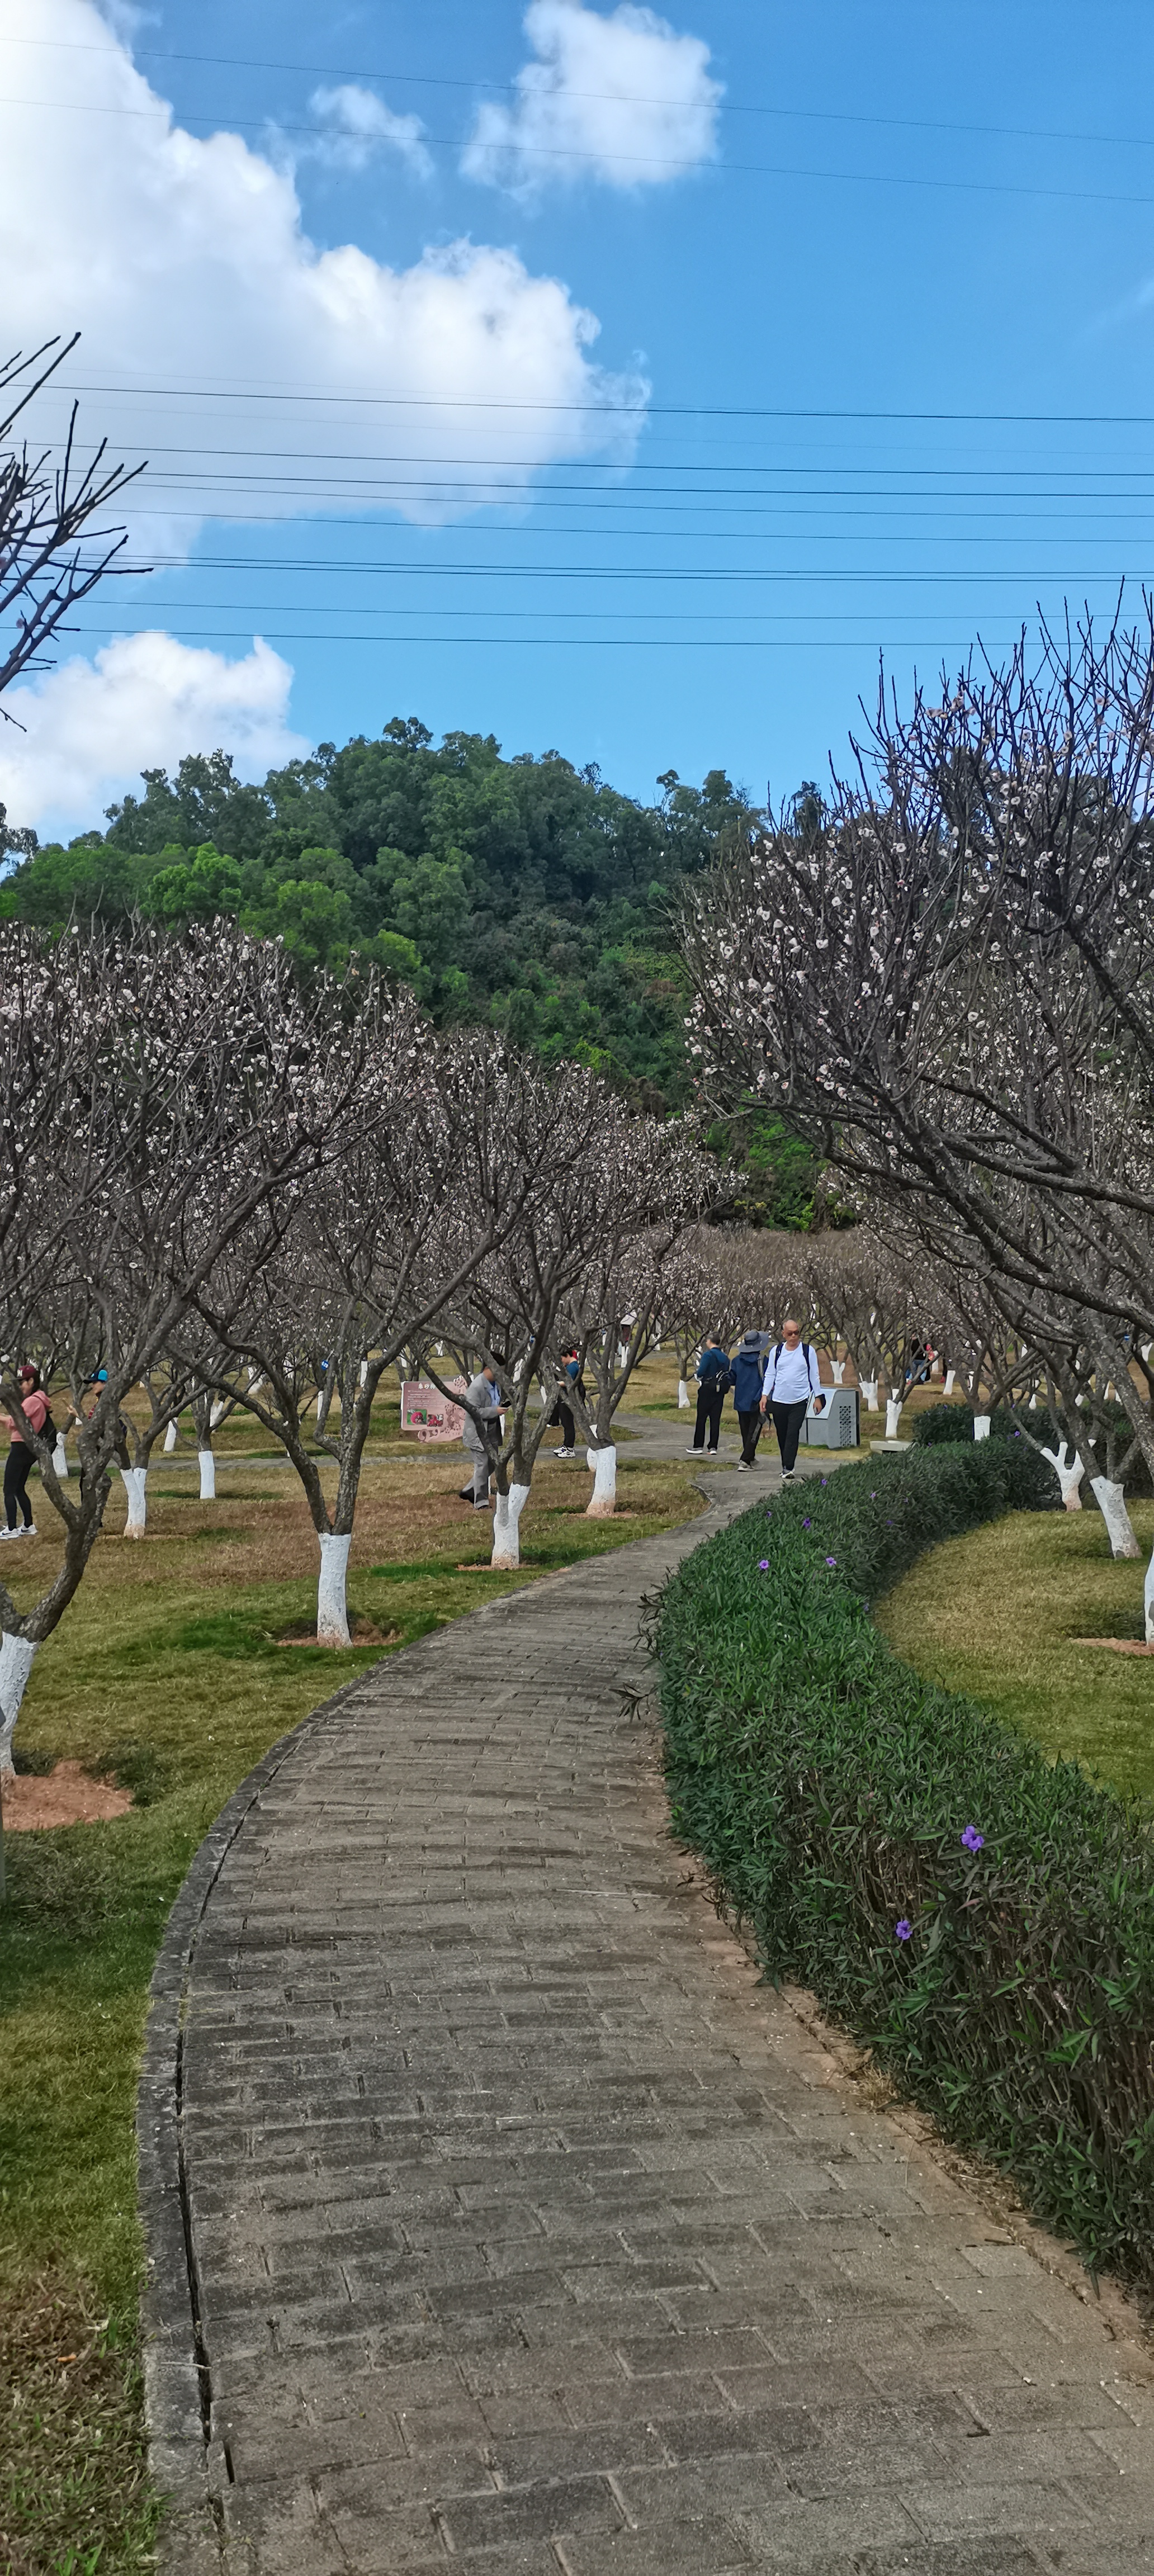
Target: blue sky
(863, 362)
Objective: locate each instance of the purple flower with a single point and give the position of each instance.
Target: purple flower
(873, 1493)
(831, 1560)
(972, 1839)
(807, 1524)
(763, 1565)
(904, 1929)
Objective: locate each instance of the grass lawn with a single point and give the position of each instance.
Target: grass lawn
(170, 1671)
(996, 1615)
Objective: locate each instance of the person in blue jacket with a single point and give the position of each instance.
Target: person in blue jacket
(713, 1381)
(748, 1370)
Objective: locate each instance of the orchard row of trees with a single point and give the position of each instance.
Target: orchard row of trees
(947, 986)
(226, 1189)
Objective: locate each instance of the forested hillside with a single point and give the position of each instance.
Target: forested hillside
(526, 892)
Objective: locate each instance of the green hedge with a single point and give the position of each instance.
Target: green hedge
(1010, 1989)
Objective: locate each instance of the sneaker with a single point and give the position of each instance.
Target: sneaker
(711, 1453)
(787, 1475)
(694, 1452)
(7, 1533)
(742, 1464)
(28, 1531)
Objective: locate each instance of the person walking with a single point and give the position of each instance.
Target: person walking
(791, 1378)
(482, 1439)
(21, 1459)
(748, 1369)
(713, 1383)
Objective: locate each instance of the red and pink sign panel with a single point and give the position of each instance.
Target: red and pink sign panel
(428, 1414)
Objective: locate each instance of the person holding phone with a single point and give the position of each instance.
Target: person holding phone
(791, 1378)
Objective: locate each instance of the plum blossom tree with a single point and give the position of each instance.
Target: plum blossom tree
(154, 1097)
(453, 1134)
(950, 986)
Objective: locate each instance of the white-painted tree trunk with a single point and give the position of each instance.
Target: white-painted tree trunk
(217, 1413)
(507, 1527)
(320, 1403)
(207, 1465)
(364, 1373)
(135, 1484)
(602, 1502)
(16, 1655)
(981, 1426)
(332, 1614)
(622, 1354)
(682, 1394)
(1111, 1500)
(60, 1458)
(1033, 1404)
(949, 1384)
(869, 1393)
(170, 1440)
(1069, 1472)
(893, 1415)
(838, 1367)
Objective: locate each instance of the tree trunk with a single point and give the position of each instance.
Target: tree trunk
(869, 1391)
(1148, 1600)
(506, 1528)
(893, 1415)
(603, 1500)
(981, 1426)
(332, 1614)
(838, 1367)
(1111, 1500)
(170, 1439)
(135, 1484)
(207, 1465)
(1069, 1474)
(949, 1384)
(216, 1412)
(682, 1394)
(16, 1655)
(60, 1458)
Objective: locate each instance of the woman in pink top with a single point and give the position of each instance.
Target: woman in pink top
(21, 1459)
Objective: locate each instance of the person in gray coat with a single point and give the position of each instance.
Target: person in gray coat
(483, 1440)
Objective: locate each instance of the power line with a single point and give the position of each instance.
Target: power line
(510, 89)
(235, 389)
(627, 160)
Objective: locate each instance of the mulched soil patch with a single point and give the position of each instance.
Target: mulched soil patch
(34, 1802)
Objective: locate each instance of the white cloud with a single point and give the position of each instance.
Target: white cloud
(141, 703)
(621, 98)
(186, 264)
(361, 126)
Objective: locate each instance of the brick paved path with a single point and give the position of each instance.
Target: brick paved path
(529, 2233)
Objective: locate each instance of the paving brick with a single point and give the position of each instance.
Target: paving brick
(534, 2236)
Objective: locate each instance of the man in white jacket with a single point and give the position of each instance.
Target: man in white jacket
(791, 1378)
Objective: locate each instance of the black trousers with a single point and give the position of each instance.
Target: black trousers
(787, 1422)
(750, 1421)
(708, 1412)
(561, 1414)
(18, 1466)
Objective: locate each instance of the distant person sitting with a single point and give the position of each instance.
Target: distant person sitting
(791, 1379)
(713, 1382)
(748, 1371)
(483, 1438)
